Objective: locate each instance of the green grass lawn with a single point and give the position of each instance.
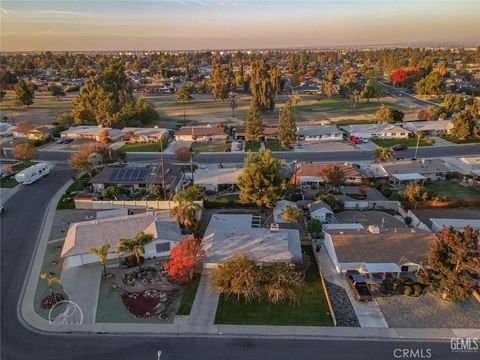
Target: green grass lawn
(346, 122)
(8, 182)
(235, 197)
(452, 190)
(207, 147)
(142, 147)
(410, 142)
(312, 311)
(254, 146)
(66, 201)
(457, 141)
(188, 296)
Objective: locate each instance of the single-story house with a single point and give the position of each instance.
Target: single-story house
(415, 170)
(89, 132)
(41, 133)
(320, 210)
(82, 236)
(465, 165)
(382, 130)
(201, 134)
(378, 254)
(144, 135)
(227, 234)
(308, 174)
(433, 128)
(269, 133)
(319, 133)
(457, 224)
(216, 177)
(138, 177)
(278, 209)
(6, 129)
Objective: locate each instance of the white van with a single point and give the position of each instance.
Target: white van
(33, 173)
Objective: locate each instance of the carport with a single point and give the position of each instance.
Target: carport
(380, 271)
(408, 178)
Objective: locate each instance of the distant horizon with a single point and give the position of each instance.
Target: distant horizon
(196, 25)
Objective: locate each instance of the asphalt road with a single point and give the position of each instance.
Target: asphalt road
(338, 156)
(20, 225)
(402, 94)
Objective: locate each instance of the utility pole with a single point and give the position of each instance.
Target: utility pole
(163, 178)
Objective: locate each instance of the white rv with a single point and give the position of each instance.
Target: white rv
(33, 173)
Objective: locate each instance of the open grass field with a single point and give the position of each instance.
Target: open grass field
(203, 109)
(312, 311)
(406, 142)
(453, 190)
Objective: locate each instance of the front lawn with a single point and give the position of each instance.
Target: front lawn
(452, 190)
(8, 182)
(272, 145)
(312, 310)
(66, 201)
(188, 296)
(410, 142)
(141, 147)
(209, 147)
(470, 140)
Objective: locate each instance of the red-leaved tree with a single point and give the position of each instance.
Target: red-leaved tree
(182, 154)
(184, 257)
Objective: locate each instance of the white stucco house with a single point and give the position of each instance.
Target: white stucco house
(82, 236)
(319, 133)
(382, 130)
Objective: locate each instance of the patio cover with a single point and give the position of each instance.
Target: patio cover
(382, 268)
(408, 176)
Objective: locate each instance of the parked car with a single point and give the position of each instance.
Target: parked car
(359, 285)
(355, 139)
(399, 147)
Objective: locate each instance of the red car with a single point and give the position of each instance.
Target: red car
(399, 147)
(355, 139)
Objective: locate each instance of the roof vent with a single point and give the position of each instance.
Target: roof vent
(374, 229)
(274, 227)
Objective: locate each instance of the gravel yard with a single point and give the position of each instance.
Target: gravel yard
(344, 313)
(429, 311)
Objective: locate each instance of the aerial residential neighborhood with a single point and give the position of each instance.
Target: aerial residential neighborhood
(240, 180)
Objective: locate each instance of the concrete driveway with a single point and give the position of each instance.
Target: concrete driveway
(368, 313)
(174, 145)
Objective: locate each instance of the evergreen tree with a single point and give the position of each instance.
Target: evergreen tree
(384, 114)
(24, 93)
(263, 84)
(220, 81)
(287, 127)
(453, 263)
(262, 180)
(254, 125)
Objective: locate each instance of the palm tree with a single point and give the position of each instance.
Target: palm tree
(51, 280)
(233, 103)
(134, 246)
(186, 211)
(101, 253)
(382, 154)
(295, 99)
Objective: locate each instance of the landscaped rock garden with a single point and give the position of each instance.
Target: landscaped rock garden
(52, 299)
(344, 312)
(148, 303)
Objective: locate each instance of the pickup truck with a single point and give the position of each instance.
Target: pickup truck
(359, 286)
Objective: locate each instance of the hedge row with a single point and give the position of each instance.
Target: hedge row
(225, 203)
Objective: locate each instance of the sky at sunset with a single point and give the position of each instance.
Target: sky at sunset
(204, 24)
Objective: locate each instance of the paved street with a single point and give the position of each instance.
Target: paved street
(20, 225)
(354, 155)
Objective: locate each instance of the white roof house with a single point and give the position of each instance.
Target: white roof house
(278, 209)
(320, 210)
(319, 133)
(89, 132)
(212, 176)
(429, 127)
(457, 224)
(433, 169)
(154, 134)
(382, 130)
(464, 165)
(227, 234)
(82, 236)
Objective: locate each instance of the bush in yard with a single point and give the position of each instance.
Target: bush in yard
(111, 192)
(314, 226)
(184, 257)
(182, 154)
(407, 290)
(417, 289)
(280, 283)
(292, 214)
(329, 199)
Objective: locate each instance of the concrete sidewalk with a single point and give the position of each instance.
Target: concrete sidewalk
(205, 304)
(368, 313)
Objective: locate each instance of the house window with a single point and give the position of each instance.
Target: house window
(394, 134)
(162, 247)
